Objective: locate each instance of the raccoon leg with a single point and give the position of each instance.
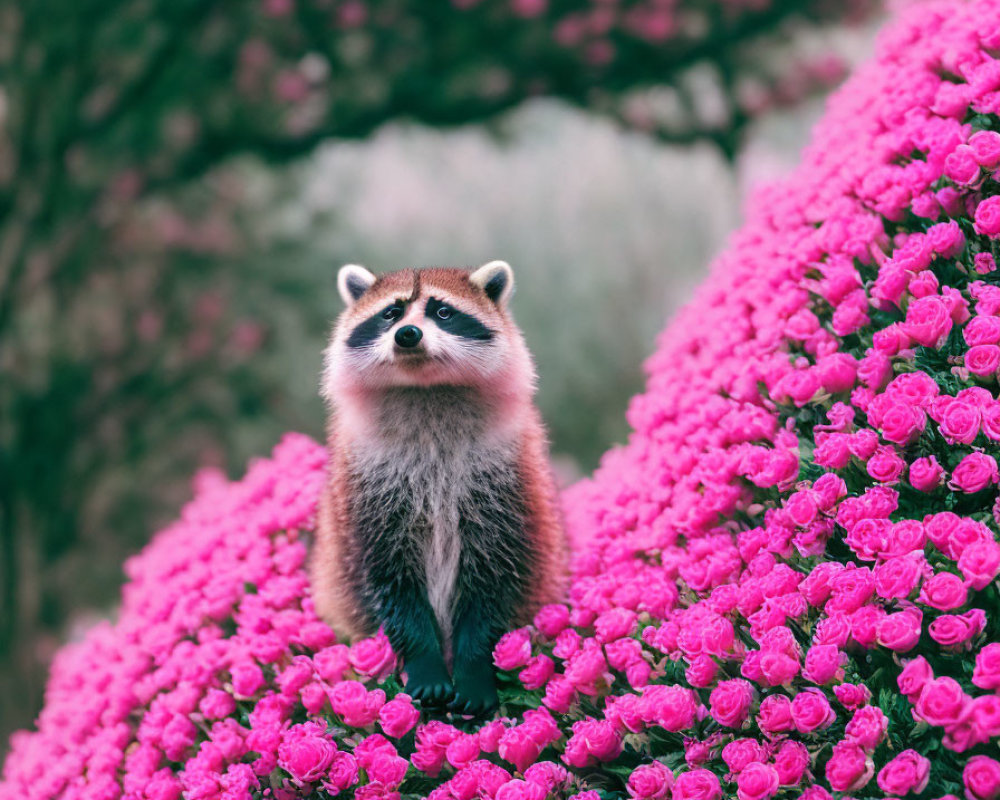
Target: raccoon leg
(392, 592)
(409, 623)
(493, 580)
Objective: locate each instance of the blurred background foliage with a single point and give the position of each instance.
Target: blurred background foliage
(176, 193)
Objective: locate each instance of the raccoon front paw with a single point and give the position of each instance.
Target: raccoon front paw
(428, 683)
(475, 692)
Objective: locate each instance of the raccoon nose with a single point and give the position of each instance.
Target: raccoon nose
(408, 336)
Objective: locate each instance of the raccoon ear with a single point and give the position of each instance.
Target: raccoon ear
(496, 279)
(353, 281)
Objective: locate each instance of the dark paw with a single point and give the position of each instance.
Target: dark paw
(475, 693)
(427, 682)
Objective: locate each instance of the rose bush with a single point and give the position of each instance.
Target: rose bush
(785, 584)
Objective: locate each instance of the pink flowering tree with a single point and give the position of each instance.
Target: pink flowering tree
(134, 302)
(785, 584)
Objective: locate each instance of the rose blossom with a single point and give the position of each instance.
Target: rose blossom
(986, 674)
(849, 767)
(398, 716)
(980, 563)
(988, 216)
(983, 359)
(953, 630)
(851, 695)
(650, 781)
(791, 762)
(513, 650)
(697, 784)
(974, 473)
(811, 711)
(775, 714)
(757, 782)
(900, 631)
(981, 777)
(907, 772)
(926, 474)
(944, 591)
(941, 702)
(306, 752)
(730, 702)
(928, 320)
(867, 727)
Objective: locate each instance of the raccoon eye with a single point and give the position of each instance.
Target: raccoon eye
(444, 312)
(392, 312)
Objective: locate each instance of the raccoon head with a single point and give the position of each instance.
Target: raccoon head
(425, 328)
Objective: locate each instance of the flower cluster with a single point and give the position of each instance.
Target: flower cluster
(785, 584)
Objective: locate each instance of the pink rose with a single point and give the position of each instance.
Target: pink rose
(944, 591)
(959, 423)
(332, 662)
(836, 372)
(462, 750)
(306, 752)
(777, 667)
(537, 672)
(849, 767)
(961, 165)
(986, 674)
(791, 762)
(671, 707)
(900, 631)
(398, 716)
(740, 753)
(702, 671)
(343, 773)
(247, 679)
(928, 320)
(387, 768)
(988, 216)
(974, 473)
(981, 777)
(907, 772)
(886, 466)
(983, 359)
(953, 630)
(373, 657)
(867, 728)
(552, 619)
(357, 706)
(941, 702)
(811, 711)
(913, 677)
(650, 781)
(902, 423)
(926, 474)
(757, 782)
(697, 784)
(730, 702)
(614, 624)
(851, 695)
(823, 662)
(985, 715)
(513, 650)
(985, 147)
(775, 714)
(982, 329)
(519, 748)
(946, 238)
(980, 563)
(897, 577)
(984, 263)
(592, 741)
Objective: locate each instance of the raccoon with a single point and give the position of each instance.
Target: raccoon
(438, 520)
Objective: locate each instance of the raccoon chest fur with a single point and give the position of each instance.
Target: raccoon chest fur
(422, 487)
